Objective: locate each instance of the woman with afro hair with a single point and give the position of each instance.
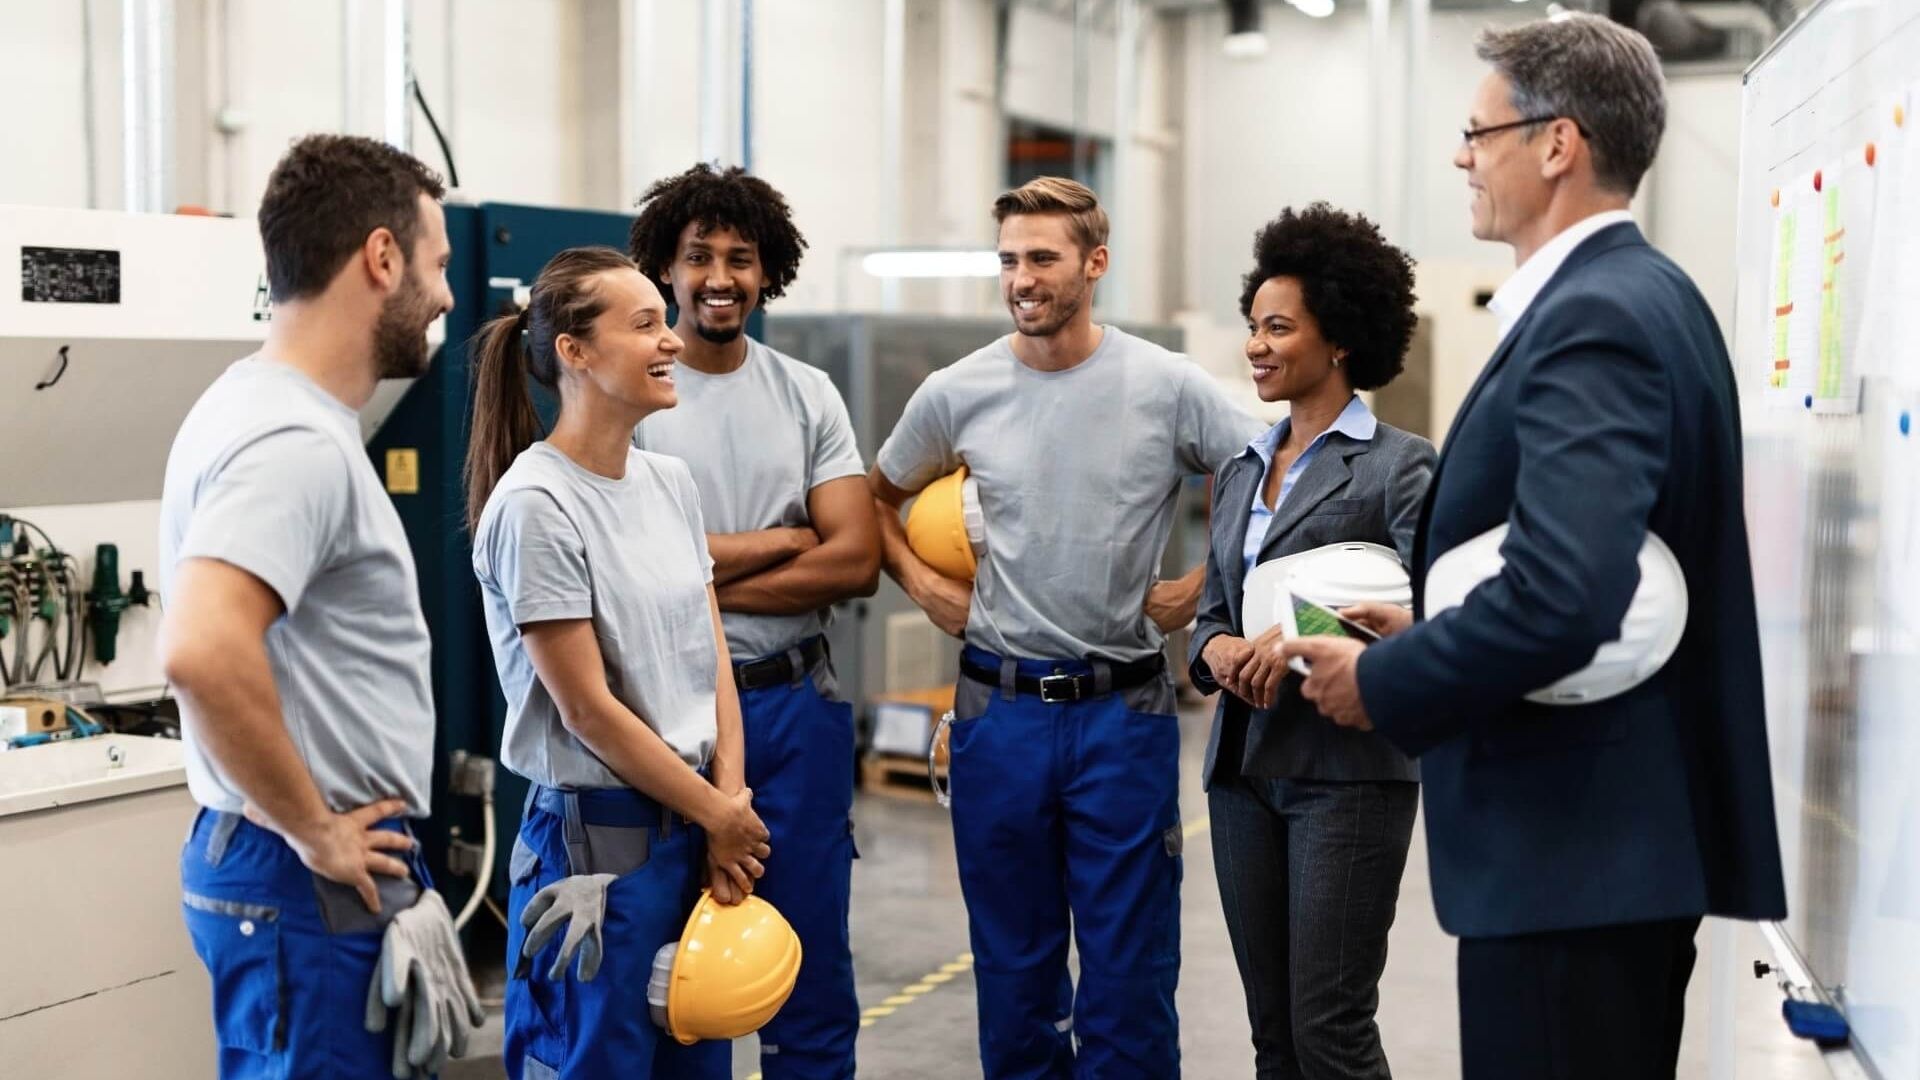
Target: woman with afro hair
(1311, 821)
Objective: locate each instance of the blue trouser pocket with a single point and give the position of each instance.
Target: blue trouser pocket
(240, 944)
(289, 985)
(568, 1028)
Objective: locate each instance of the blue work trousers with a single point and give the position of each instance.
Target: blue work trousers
(799, 743)
(290, 954)
(1066, 820)
(588, 1030)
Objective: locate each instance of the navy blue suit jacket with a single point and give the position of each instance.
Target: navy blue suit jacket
(1609, 409)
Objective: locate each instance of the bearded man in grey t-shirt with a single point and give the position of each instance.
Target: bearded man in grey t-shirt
(295, 641)
(1065, 750)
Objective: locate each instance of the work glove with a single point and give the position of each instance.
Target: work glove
(579, 901)
(422, 981)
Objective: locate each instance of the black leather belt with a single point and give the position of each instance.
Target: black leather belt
(1059, 689)
(778, 669)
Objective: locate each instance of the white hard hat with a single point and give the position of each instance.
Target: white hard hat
(1649, 633)
(1333, 576)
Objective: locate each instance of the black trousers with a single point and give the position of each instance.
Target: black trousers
(1309, 875)
(1606, 1002)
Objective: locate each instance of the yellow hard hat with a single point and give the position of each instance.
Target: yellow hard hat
(945, 526)
(732, 969)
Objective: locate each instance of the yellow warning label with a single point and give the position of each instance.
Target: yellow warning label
(403, 472)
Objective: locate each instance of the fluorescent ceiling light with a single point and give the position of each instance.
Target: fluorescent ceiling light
(932, 264)
(1245, 46)
(1319, 9)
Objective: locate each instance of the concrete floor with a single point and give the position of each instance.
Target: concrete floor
(910, 953)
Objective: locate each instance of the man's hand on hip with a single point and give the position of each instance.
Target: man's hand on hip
(1333, 685)
(348, 849)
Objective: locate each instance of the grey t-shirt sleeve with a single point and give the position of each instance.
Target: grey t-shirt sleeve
(274, 509)
(835, 454)
(539, 560)
(1210, 428)
(920, 450)
(688, 495)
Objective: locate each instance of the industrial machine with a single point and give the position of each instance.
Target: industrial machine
(111, 325)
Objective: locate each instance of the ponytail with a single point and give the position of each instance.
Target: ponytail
(504, 422)
(512, 348)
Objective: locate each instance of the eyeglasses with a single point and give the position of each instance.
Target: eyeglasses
(1471, 136)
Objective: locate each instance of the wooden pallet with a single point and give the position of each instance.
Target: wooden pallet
(898, 776)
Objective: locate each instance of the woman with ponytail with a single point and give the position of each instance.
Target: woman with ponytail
(597, 584)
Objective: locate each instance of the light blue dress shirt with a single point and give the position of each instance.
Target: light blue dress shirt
(1356, 421)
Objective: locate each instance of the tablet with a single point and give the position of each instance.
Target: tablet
(1304, 618)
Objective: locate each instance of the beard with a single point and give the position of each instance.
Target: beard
(717, 335)
(400, 335)
(1064, 305)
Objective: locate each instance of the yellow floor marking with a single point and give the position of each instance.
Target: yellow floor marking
(925, 984)
(1195, 828)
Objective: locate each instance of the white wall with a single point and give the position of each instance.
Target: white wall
(1292, 127)
(1689, 196)
(43, 147)
(816, 130)
(515, 95)
(583, 102)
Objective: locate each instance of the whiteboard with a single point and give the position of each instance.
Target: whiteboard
(1827, 353)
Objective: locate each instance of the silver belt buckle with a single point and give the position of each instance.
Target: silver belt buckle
(1059, 689)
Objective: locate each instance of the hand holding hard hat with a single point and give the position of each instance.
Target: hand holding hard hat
(1304, 593)
(1333, 576)
(945, 526)
(729, 973)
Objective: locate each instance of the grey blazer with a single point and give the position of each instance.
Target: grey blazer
(1351, 490)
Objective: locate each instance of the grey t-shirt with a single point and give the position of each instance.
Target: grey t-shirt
(268, 474)
(558, 541)
(758, 439)
(1078, 471)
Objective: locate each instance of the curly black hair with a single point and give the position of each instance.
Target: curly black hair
(731, 199)
(1358, 287)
